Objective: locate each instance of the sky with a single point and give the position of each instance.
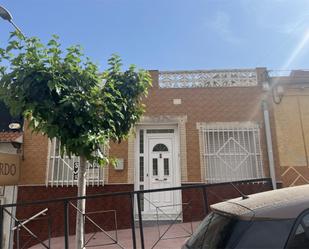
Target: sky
(173, 34)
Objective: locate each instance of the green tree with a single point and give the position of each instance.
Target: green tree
(63, 95)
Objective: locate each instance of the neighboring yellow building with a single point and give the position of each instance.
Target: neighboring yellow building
(291, 115)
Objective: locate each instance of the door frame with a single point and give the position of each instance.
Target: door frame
(176, 157)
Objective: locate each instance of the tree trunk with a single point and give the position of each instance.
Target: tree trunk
(81, 204)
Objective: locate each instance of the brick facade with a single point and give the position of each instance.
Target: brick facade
(289, 119)
(226, 104)
(34, 158)
(198, 105)
(222, 104)
(119, 151)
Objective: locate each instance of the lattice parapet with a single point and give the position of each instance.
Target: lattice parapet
(213, 78)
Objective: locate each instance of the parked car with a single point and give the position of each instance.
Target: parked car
(272, 219)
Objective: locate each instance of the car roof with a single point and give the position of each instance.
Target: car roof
(285, 203)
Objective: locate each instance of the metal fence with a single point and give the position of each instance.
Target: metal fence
(195, 205)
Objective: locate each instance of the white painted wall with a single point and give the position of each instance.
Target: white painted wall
(7, 148)
(10, 196)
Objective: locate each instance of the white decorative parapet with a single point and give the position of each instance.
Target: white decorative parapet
(209, 78)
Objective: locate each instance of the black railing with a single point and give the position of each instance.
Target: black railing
(139, 194)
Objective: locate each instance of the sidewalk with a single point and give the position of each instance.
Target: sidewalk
(172, 239)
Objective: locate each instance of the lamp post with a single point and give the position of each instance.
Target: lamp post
(6, 15)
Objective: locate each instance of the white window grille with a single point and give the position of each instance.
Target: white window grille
(63, 171)
(231, 151)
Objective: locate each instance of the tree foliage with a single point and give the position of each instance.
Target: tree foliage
(64, 96)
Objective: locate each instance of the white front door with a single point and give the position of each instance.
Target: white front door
(160, 175)
(160, 168)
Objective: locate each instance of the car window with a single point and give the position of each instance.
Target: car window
(300, 238)
(266, 234)
(217, 231)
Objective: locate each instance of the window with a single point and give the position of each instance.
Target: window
(300, 238)
(63, 171)
(142, 197)
(160, 131)
(141, 168)
(219, 231)
(265, 234)
(166, 167)
(141, 156)
(154, 166)
(141, 141)
(159, 147)
(231, 151)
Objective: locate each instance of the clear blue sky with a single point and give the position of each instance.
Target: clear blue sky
(173, 34)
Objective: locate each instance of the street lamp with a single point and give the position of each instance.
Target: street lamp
(6, 15)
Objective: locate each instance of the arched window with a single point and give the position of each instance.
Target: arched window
(159, 147)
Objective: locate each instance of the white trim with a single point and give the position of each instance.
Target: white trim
(44, 185)
(47, 161)
(162, 120)
(33, 185)
(106, 167)
(131, 157)
(227, 125)
(184, 183)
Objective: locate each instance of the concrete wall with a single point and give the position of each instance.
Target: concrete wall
(7, 148)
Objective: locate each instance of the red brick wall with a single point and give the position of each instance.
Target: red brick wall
(121, 204)
(56, 210)
(196, 211)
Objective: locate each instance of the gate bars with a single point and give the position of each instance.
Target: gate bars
(130, 195)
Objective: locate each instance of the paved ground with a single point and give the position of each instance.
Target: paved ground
(171, 238)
